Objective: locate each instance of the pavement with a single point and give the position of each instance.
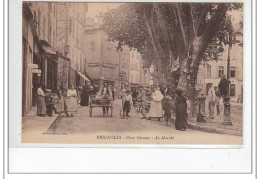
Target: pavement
(84, 129)
(216, 125)
(33, 123)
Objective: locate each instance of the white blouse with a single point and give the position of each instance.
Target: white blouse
(40, 92)
(128, 98)
(71, 92)
(157, 96)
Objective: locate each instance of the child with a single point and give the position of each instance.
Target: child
(49, 99)
(127, 104)
(167, 109)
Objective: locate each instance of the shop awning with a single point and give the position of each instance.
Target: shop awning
(48, 48)
(83, 76)
(134, 85)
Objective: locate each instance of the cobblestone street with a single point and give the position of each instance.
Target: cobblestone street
(114, 130)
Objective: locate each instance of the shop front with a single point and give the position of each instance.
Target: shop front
(50, 66)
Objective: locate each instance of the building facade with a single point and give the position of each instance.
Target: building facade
(53, 53)
(211, 72)
(27, 59)
(71, 19)
(103, 62)
(39, 55)
(138, 76)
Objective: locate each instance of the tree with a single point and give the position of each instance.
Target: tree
(166, 32)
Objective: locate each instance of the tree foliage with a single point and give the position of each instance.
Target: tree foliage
(166, 32)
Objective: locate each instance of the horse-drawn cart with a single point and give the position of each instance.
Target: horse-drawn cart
(97, 101)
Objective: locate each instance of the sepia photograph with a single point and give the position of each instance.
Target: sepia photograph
(157, 73)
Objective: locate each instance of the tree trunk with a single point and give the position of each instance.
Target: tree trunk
(157, 70)
(183, 81)
(189, 70)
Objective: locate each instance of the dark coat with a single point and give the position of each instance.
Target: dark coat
(181, 109)
(223, 86)
(84, 97)
(167, 107)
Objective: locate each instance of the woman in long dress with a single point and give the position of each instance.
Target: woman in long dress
(84, 96)
(60, 103)
(41, 106)
(181, 111)
(156, 110)
(71, 102)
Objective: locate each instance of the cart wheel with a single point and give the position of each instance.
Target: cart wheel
(140, 108)
(121, 112)
(90, 112)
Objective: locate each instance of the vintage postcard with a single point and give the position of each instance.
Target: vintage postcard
(132, 73)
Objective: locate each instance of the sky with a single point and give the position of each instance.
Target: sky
(95, 8)
(236, 16)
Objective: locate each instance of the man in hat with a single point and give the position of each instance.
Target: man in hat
(211, 100)
(127, 104)
(218, 96)
(105, 92)
(167, 109)
(142, 97)
(91, 91)
(181, 111)
(223, 86)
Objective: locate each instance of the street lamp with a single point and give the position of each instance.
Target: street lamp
(226, 117)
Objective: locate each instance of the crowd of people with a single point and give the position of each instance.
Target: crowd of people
(57, 101)
(163, 103)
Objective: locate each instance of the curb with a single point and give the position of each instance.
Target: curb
(213, 129)
(54, 121)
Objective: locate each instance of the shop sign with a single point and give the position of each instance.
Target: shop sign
(31, 65)
(36, 71)
(93, 64)
(122, 73)
(108, 65)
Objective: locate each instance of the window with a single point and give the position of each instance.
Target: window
(49, 29)
(208, 85)
(39, 22)
(132, 78)
(86, 7)
(92, 46)
(73, 30)
(91, 57)
(54, 37)
(44, 24)
(50, 35)
(208, 71)
(108, 45)
(221, 71)
(54, 10)
(136, 78)
(35, 17)
(70, 26)
(233, 72)
(133, 55)
(50, 6)
(232, 90)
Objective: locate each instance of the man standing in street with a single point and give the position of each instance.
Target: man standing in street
(123, 94)
(142, 97)
(211, 100)
(105, 92)
(223, 87)
(217, 97)
(223, 90)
